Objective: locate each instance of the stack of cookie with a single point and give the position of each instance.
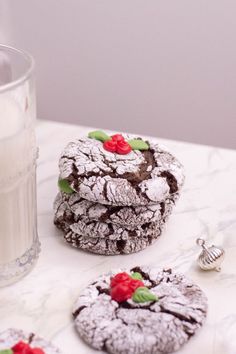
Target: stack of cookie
(116, 192)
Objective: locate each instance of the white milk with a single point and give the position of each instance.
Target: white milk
(17, 181)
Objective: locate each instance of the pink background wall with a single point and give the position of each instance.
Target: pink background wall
(165, 68)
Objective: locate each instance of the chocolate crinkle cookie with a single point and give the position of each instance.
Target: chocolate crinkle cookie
(140, 310)
(17, 341)
(139, 177)
(109, 230)
(109, 247)
(71, 208)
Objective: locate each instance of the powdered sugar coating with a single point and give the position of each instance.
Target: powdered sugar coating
(105, 237)
(152, 327)
(110, 247)
(138, 178)
(12, 336)
(73, 209)
(114, 232)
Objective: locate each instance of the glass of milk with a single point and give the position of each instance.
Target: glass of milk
(19, 245)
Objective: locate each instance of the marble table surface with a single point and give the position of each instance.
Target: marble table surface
(42, 301)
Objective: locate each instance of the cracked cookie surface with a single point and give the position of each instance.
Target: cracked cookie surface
(136, 328)
(138, 178)
(72, 208)
(110, 247)
(12, 336)
(105, 237)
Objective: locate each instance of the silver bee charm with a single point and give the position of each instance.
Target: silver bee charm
(210, 257)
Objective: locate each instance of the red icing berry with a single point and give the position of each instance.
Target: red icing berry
(120, 278)
(110, 145)
(121, 292)
(24, 348)
(135, 283)
(117, 137)
(123, 147)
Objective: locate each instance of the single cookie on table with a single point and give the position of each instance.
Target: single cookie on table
(119, 172)
(17, 341)
(73, 208)
(142, 310)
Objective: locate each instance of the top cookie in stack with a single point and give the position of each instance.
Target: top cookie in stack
(117, 172)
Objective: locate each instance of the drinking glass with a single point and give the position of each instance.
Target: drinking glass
(19, 244)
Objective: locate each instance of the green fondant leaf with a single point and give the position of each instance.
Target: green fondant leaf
(138, 144)
(143, 294)
(6, 351)
(136, 276)
(64, 186)
(99, 135)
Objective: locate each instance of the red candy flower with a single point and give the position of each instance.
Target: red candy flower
(123, 286)
(24, 348)
(117, 144)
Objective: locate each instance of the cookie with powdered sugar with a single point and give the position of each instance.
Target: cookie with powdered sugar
(107, 238)
(71, 208)
(146, 174)
(18, 341)
(108, 246)
(142, 310)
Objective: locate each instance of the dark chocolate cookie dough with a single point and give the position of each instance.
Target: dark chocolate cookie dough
(128, 327)
(138, 178)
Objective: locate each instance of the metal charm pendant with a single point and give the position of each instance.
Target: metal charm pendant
(210, 257)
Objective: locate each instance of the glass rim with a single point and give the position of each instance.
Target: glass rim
(27, 73)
